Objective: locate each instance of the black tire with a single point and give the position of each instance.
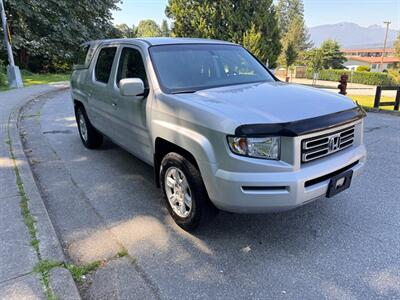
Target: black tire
(202, 209)
(94, 139)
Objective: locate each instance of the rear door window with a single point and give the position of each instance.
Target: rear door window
(104, 64)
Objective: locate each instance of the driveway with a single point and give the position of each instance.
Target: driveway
(104, 202)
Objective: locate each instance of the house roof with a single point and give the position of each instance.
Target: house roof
(367, 50)
(374, 60)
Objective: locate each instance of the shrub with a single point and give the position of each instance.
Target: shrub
(3, 74)
(363, 69)
(26, 73)
(60, 67)
(370, 78)
(395, 74)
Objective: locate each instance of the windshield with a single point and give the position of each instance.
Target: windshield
(192, 67)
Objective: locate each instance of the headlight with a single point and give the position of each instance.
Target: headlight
(266, 147)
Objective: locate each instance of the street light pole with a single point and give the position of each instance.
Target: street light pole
(13, 73)
(384, 43)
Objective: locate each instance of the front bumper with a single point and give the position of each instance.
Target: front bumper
(244, 192)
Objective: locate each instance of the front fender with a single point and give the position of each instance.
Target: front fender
(194, 142)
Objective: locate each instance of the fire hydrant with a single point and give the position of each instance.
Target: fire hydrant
(343, 84)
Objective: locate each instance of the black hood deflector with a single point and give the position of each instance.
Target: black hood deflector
(302, 127)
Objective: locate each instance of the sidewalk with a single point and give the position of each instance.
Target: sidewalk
(27, 237)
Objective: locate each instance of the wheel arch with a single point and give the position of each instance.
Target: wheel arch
(78, 103)
(161, 148)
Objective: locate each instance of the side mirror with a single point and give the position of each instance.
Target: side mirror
(131, 87)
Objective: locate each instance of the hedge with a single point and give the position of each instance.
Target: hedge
(370, 78)
(363, 69)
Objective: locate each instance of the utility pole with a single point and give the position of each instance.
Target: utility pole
(13, 73)
(384, 44)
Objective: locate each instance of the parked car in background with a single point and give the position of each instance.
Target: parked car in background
(219, 129)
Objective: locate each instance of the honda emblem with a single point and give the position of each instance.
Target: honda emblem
(334, 143)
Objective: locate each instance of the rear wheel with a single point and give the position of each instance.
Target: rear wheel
(184, 192)
(90, 137)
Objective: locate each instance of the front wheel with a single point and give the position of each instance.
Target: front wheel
(90, 137)
(184, 192)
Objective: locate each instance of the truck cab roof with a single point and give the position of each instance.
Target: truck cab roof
(157, 41)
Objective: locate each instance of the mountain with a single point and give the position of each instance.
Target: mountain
(351, 35)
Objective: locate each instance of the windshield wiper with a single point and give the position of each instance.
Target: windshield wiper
(184, 92)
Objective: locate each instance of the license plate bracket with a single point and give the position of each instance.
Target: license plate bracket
(339, 183)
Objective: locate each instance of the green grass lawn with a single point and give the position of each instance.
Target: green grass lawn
(34, 79)
(368, 101)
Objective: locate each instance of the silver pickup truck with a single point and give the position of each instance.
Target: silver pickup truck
(219, 129)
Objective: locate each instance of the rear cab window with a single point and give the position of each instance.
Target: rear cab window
(104, 64)
(81, 55)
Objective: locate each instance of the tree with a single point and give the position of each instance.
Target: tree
(45, 33)
(290, 55)
(292, 27)
(315, 59)
(290, 40)
(397, 46)
(148, 28)
(239, 21)
(165, 31)
(291, 21)
(125, 31)
(252, 40)
(287, 11)
(332, 56)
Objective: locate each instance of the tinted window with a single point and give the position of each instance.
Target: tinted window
(104, 64)
(80, 58)
(196, 67)
(131, 66)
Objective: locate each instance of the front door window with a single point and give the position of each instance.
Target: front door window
(131, 66)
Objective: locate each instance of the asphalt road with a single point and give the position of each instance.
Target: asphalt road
(103, 201)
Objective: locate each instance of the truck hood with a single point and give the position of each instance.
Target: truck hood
(272, 102)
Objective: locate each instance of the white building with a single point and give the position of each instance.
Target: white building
(372, 62)
(371, 58)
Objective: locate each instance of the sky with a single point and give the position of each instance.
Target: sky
(317, 12)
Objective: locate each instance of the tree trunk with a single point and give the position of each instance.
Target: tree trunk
(22, 58)
(286, 74)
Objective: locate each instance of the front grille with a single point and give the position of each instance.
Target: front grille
(326, 144)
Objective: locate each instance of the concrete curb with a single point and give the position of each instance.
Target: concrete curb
(49, 247)
(382, 111)
(63, 285)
